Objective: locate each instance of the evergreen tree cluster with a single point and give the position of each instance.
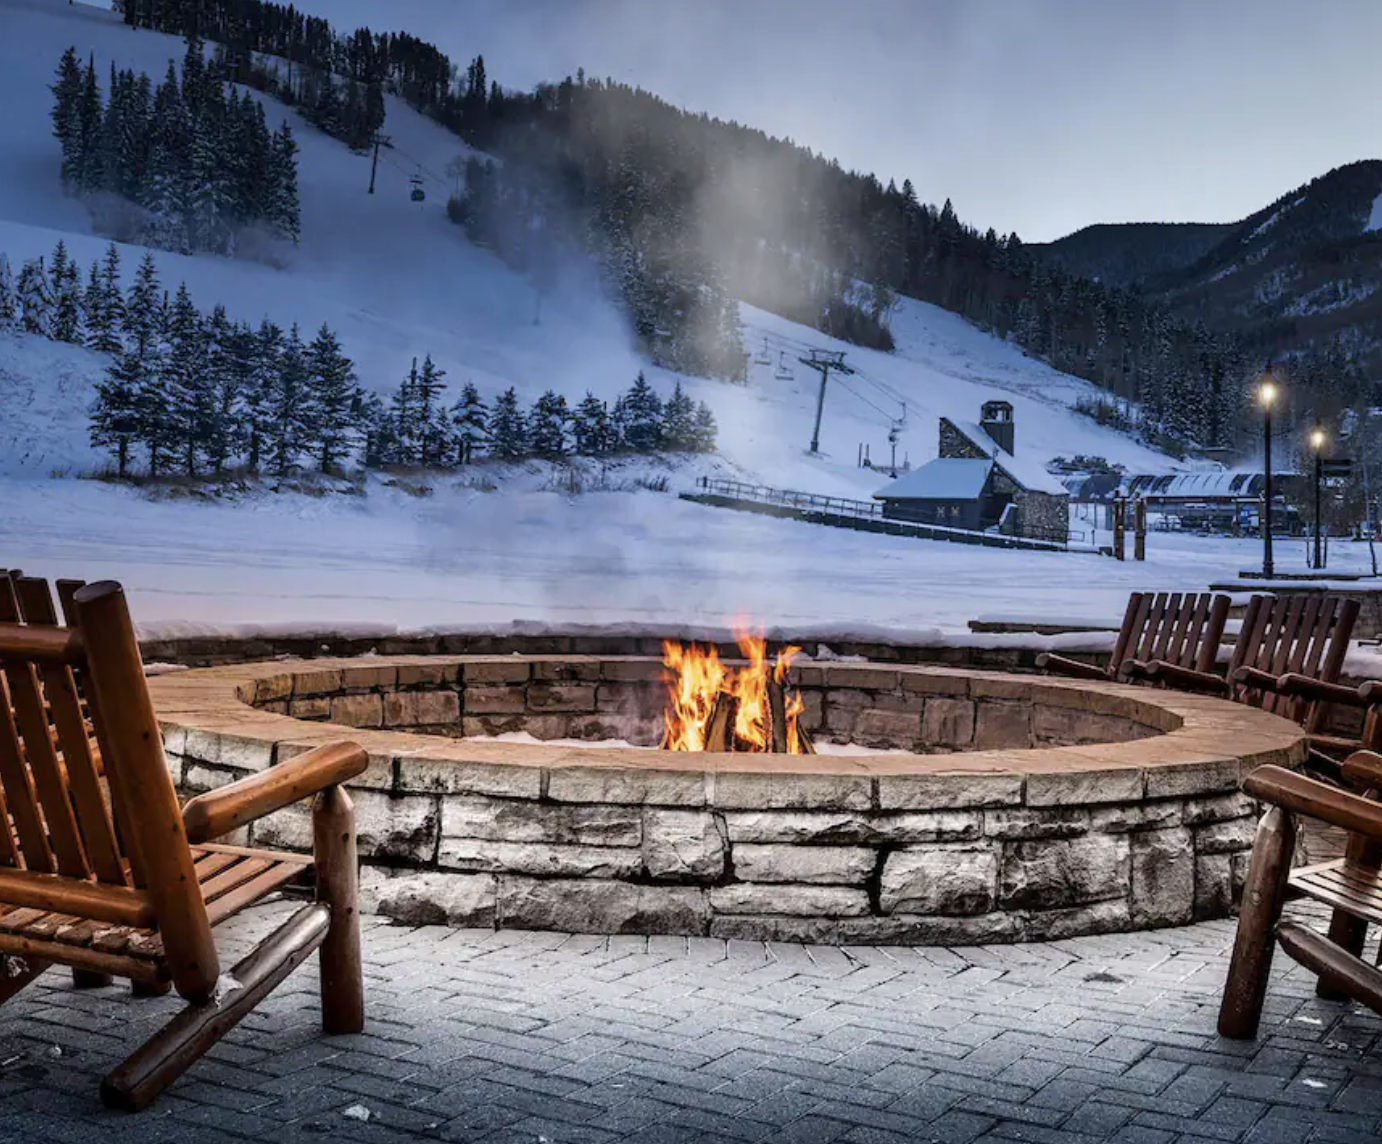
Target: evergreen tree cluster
(198, 159)
(418, 427)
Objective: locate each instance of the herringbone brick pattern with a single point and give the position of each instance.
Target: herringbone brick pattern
(554, 1039)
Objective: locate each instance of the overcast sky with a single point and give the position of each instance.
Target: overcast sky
(1039, 116)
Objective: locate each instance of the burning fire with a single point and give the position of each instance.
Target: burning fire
(700, 685)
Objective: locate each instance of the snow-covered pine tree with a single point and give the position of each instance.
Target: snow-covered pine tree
(679, 422)
(221, 382)
(705, 430)
(638, 416)
(407, 429)
(469, 418)
(35, 299)
(434, 440)
(331, 388)
(168, 186)
(212, 152)
(591, 427)
(377, 427)
(67, 93)
(508, 434)
(9, 300)
(192, 402)
(67, 296)
(90, 116)
(105, 310)
(547, 427)
(281, 185)
(293, 432)
(115, 421)
(260, 425)
(143, 319)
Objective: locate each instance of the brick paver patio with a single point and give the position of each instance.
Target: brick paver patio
(542, 1037)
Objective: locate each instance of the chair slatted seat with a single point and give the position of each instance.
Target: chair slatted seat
(102, 871)
(1181, 628)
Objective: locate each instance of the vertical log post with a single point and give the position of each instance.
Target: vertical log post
(1139, 540)
(1120, 528)
(338, 876)
(1240, 1012)
(134, 749)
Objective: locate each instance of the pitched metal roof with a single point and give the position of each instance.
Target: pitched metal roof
(945, 478)
(1032, 477)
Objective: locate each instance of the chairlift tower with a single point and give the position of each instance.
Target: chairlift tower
(823, 361)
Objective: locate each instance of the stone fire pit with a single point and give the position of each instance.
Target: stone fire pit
(1023, 808)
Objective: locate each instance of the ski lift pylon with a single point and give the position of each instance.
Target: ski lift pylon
(784, 371)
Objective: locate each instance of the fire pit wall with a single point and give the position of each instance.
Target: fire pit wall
(1053, 822)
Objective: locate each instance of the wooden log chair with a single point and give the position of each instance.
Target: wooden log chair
(1351, 885)
(102, 871)
(1287, 660)
(1184, 629)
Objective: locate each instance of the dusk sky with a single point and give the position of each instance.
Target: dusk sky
(1038, 116)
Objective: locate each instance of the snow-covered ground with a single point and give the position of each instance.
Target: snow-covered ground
(396, 279)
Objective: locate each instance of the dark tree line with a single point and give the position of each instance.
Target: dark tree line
(196, 394)
(198, 159)
(419, 427)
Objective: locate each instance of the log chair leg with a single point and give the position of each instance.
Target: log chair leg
(90, 979)
(338, 885)
(185, 1039)
(1263, 896)
(1350, 934)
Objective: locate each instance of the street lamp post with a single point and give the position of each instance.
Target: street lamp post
(1317, 441)
(1266, 394)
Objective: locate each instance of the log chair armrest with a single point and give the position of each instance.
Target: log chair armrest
(1061, 665)
(1186, 678)
(1364, 769)
(1314, 799)
(216, 813)
(1370, 692)
(1293, 683)
(1256, 678)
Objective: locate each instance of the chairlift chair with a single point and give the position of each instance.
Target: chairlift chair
(763, 357)
(784, 371)
(418, 194)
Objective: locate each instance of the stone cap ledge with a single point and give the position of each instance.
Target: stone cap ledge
(1205, 745)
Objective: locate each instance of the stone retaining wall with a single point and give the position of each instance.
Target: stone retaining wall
(996, 844)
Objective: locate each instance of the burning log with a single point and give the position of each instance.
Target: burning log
(718, 708)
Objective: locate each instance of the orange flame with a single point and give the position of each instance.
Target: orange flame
(698, 678)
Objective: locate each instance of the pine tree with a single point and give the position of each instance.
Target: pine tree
(679, 422)
(331, 389)
(379, 430)
(36, 299)
(90, 114)
(508, 435)
(115, 421)
(406, 421)
(293, 422)
(143, 321)
(192, 402)
(260, 421)
(167, 186)
(67, 93)
(469, 417)
(281, 190)
(638, 416)
(547, 427)
(704, 430)
(434, 441)
(105, 307)
(591, 427)
(9, 300)
(223, 374)
(67, 297)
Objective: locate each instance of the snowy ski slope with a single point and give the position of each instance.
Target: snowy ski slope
(395, 279)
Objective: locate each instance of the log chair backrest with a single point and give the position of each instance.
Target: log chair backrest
(83, 777)
(1179, 628)
(1306, 634)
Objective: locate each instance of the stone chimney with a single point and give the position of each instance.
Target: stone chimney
(996, 419)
